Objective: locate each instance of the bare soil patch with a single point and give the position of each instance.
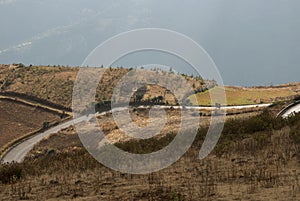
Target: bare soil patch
(19, 119)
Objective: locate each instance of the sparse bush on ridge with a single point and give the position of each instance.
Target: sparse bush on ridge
(54, 85)
(244, 165)
(10, 173)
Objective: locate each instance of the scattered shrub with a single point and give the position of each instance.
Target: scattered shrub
(10, 173)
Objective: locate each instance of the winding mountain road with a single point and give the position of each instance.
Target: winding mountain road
(18, 152)
(290, 110)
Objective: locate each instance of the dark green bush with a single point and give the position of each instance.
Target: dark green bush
(9, 173)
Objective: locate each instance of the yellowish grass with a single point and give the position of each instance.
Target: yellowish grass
(245, 96)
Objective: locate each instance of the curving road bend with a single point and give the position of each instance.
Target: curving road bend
(18, 152)
(291, 111)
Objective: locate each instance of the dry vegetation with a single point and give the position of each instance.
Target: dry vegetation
(19, 119)
(67, 139)
(257, 158)
(54, 84)
(253, 95)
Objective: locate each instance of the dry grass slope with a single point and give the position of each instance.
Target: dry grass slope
(254, 95)
(19, 119)
(257, 158)
(55, 83)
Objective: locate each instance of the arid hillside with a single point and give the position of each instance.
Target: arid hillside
(251, 95)
(54, 84)
(19, 120)
(257, 158)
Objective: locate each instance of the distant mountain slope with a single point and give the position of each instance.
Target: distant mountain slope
(54, 84)
(251, 95)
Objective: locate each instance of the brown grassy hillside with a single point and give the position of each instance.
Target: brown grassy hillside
(18, 119)
(252, 95)
(257, 158)
(55, 83)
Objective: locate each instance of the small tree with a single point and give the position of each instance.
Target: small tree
(46, 124)
(139, 97)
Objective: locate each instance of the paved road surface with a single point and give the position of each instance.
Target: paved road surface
(18, 152)
(291, 111)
